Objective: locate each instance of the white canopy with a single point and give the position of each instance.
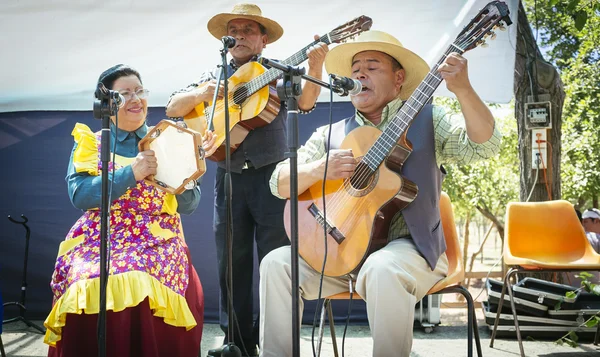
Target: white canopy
(54, 50)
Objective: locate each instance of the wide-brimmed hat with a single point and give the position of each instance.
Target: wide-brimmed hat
(339, 59)
(217, 25)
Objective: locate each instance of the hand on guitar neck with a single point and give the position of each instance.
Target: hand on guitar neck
(182, 103)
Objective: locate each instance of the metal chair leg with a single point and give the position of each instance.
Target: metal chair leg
(507, 286)
(2, 353)
(497, 319)
(514, 312)
(597, 337)
(476, 332)
(321, 323)
(332, 330)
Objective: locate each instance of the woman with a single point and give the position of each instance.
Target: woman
(155, 302)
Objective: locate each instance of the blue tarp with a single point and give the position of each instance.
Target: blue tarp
(34, 153)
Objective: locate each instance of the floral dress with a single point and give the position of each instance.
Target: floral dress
(148, 255)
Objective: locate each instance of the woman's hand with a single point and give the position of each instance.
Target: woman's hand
(145, 164)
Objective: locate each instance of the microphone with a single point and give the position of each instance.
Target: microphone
(345, 84)
(228, 41)
(119, 99)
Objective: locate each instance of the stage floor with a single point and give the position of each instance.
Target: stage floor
(448, 339)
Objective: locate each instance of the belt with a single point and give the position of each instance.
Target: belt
(247, 165)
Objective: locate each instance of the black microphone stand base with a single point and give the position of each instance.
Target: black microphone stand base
(26, 322)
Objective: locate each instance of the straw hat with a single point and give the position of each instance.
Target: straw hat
(339, 59)
(217, 25)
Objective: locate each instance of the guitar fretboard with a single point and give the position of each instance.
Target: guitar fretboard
(272, 74)
(410, 109)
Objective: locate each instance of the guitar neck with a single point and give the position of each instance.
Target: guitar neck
(272, 74)
(410, 109)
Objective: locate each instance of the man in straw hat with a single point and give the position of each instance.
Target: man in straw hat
(254, 208)
(394, 278)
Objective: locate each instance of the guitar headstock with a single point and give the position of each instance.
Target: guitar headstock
(493, 16)
(350, 29)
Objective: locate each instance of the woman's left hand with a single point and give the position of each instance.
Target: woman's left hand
(209, 143)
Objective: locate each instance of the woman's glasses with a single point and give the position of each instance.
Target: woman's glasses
(140, 93)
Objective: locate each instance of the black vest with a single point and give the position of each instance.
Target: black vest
(422, 216)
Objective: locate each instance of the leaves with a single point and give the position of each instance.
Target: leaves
(580, 20)
(571, 294)
(592, 322)
(569, 33)
(584, 275)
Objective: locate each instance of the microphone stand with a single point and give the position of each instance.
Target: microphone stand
(104, 223)
(229, 349)
(341, 91)
(104, 109)
(289, 88)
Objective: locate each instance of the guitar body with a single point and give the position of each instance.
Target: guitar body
(258, 110)
(361, 214)
(360, 209)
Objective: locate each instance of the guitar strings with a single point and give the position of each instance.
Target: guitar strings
(298, 57)
(363, 173)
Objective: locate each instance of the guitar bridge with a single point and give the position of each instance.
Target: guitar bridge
(331, 230)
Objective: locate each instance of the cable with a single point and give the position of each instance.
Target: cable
(486, 278)
(544, 166)
(319, 302)
(347, 317)
(537, 170)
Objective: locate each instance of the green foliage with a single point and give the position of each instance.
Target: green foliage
(571, 338)
(569, 33)
(491, 183)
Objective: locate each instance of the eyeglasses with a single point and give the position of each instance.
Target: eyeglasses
(140, 93)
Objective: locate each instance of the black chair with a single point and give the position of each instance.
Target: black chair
(21, 302)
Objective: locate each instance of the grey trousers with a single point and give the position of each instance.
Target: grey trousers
(391, 281)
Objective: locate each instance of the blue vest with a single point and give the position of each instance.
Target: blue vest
(422, 216)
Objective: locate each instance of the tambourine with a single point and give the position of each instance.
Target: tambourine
(179, 155)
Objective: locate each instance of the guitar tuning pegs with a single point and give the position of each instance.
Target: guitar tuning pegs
(492, 35)
(500, 26)
(482, 44)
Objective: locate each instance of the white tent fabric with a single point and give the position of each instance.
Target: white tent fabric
(54, 50)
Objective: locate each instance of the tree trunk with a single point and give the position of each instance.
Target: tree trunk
(466, 240)
(492, 217)
(545, 80)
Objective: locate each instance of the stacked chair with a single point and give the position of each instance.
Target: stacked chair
(542, 237)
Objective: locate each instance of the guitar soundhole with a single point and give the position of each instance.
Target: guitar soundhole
(240, 95)
(363, 180)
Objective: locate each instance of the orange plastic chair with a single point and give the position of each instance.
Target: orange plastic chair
(449, 284)
(542, 236)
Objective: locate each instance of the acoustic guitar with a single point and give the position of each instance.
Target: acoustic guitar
(252, 102)
(359, 209)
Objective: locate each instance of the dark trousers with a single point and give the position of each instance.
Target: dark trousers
(257, 215)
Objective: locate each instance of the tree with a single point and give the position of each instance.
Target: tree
(534, 76)
(569, 31)
(486, 186)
